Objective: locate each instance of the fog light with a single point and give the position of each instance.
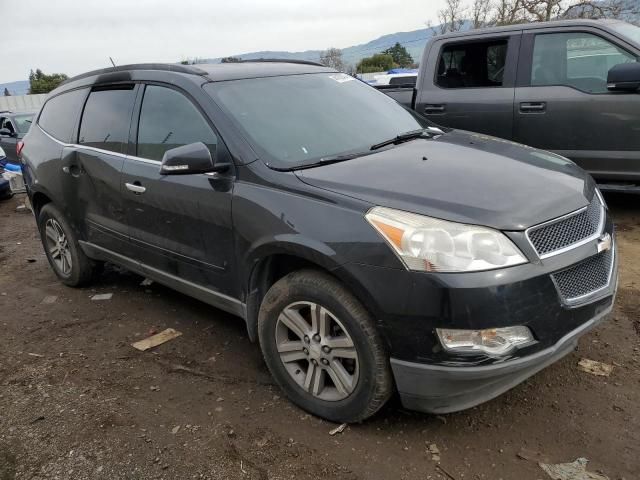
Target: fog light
(492, 341)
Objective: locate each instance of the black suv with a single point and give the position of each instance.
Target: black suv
(368, 250)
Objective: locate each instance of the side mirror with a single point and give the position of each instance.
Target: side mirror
(5, 132)
(624, 77)
(190, 159)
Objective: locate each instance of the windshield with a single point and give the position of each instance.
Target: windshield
(632, 32)
(298, 119)
(23, 122)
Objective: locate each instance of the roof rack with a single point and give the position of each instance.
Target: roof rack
(281, 60)
(167, 67)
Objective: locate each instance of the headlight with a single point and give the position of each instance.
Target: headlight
(492, 341)
(433, 245)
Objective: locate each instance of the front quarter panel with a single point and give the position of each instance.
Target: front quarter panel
(275, 213)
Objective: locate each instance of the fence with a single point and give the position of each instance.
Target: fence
(22, 103)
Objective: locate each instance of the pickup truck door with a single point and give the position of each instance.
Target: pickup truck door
(562, 103)
(469, 83)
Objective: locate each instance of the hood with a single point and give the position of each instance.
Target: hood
(462, 177)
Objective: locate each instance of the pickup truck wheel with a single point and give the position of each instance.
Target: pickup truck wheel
(323, 349)
(65, 256)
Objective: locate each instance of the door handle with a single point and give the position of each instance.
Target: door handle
(434, 108)
(135, 187)
(533, 107)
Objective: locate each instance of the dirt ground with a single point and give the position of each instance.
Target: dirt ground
(78, 402)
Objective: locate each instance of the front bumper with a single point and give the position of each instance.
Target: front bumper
(444, 389)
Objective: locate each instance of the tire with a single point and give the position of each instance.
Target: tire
(341, 388)
(72, 267)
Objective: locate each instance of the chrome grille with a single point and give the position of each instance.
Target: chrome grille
(569, 230)
(585, 278)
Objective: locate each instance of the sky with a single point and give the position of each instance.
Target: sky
(66, 36)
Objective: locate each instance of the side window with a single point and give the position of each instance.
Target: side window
(106, 118)
(168, 120)
(59, 115)
(469, 65)
(577, 59)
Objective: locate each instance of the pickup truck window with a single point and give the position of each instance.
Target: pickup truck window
(472, 65)
(578, 59)
(296, 120)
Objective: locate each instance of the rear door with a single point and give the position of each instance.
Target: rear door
(179, 225)
(470, 83)
(93, 166)
(562, 102)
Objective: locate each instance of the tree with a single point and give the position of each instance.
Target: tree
(332, 58)
(480, 11)
(231, 60)
(379, 62)
(400, 55)
(6, 92)
(40, 82)
(451, 16)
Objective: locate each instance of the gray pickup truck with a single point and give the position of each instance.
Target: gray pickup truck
(571, 87)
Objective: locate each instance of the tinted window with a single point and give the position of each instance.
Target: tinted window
(106, 118)
(168, 120)
(472, 65)
(59, 114)
(298, 119)
(578, 60)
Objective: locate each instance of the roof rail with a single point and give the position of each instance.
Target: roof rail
(281, 60)
(167, 67)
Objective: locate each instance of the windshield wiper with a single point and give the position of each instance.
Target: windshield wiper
(330, 159)
(404, 137)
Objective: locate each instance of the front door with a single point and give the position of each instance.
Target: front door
(179, 225)
(563, 105)
(473, 86)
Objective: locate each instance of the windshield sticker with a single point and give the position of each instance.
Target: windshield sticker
(341, 77)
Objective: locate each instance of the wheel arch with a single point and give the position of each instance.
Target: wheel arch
(272, 262)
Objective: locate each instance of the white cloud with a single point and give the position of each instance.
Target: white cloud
(75, 36)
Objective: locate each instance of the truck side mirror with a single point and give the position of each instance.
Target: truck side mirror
(624, 77)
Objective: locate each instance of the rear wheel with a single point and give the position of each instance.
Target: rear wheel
(61, 246)
(322, 347)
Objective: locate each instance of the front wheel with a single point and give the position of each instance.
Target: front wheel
(322, 347)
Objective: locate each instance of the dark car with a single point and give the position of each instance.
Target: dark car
(367, 250)
(571, 87)
(13, 127)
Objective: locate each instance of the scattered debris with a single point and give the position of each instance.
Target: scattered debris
(31, 260)
(22, 209)
(146, 282)
(446, 472)
(595, 368)
(49, 299)
(35, 355)
(571, 471)
(435, 452)
(102, 296)
(37, 419)
(531, 456)
(442, 419)
(155, 340)
(338, 429)
(175, 430)
(154, 388)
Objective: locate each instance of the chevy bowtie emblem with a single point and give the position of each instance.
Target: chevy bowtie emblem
(604, 242)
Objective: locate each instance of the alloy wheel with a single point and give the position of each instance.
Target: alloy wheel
(58, 246)
(317, 351)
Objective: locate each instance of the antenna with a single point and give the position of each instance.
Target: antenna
(112, 62)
